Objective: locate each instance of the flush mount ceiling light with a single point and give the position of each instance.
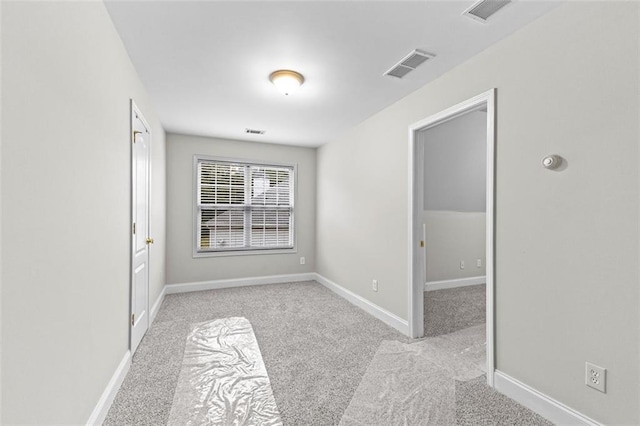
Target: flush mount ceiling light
(286, 81)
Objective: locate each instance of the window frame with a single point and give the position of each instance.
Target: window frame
(198, 252)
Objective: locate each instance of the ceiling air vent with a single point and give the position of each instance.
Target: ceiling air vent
(484, 9)
(408, 63)
(254, 131)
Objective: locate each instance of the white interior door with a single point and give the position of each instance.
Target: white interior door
(140, 158)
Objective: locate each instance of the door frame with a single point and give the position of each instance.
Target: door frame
(137, 114)
(416, 202)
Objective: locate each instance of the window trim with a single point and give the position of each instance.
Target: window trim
(242, 251)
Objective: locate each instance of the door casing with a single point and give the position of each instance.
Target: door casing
(416, 272)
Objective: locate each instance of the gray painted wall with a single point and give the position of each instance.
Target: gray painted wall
(453, 237)
(182, 267)
(567, 241)
(66, 207)
(455, 176)
(455, 164)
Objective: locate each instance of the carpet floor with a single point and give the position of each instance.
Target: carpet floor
(453, 309)
(476, 405)
(415, 383)
(316, 347)
(439, 380)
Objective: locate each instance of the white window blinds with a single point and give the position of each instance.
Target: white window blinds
(243, 206)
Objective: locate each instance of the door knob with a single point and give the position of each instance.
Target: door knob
(149, 240)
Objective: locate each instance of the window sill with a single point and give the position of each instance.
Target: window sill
(200, 254)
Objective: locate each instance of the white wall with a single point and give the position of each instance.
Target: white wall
(453, 237)
(567, 241)
(182, 267)
(67, 81)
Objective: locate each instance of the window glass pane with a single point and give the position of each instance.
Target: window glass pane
(271, 186)
(221, 183)
(221, 229)
(271, 228)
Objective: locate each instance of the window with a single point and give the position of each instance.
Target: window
(243, 206)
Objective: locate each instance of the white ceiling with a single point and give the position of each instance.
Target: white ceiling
(206, 64)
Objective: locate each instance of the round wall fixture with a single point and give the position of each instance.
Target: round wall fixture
(286, 81)
(552, 162)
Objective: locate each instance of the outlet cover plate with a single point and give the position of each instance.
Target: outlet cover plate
(596, 377)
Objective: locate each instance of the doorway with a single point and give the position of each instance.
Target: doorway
(140, 241)
(422, 229)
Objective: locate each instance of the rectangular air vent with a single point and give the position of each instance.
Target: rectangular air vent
(408, 63)
(254, 131)
(484, 9)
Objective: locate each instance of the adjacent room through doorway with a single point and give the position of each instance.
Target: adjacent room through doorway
(454, 223)
(451, 227)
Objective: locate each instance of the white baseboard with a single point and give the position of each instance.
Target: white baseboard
(106, 399)
(156, 306)
(460, 282)
(382, 314)
(547, 407)
(237, 282)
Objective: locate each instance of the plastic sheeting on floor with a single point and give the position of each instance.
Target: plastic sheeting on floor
(223, 380)
(415, 383)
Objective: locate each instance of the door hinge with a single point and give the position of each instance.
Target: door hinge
(135, 132)
(133, 319)
(422, 243)
(134, 228)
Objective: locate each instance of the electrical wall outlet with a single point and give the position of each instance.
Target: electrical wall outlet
(302, 260)
(479, 263)
(462, 264)
(374, 285)
(596, 377)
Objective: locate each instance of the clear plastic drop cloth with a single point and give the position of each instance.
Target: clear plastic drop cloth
(223, 380)
(415, 383)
